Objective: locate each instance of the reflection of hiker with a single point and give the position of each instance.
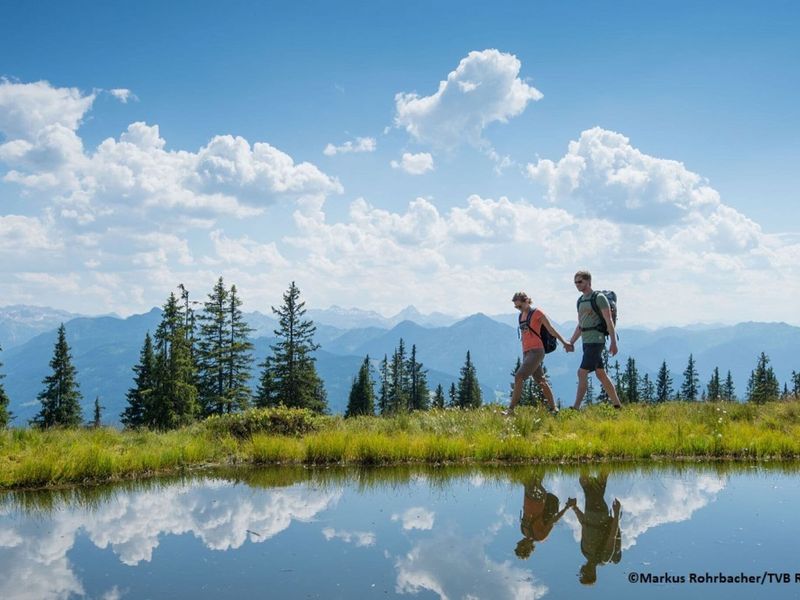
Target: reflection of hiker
(539, 514)
(531, 321)
(601, 539)
(593, 338)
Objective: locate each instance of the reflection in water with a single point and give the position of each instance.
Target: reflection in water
(538, 516)
(601, 540)
(33, 554)
(450, 533)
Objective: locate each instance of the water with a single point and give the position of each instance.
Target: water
(420, 533)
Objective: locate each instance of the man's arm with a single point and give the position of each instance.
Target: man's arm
(612, 332)
(552, 330)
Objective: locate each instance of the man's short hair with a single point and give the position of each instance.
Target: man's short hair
(521, 297)
(584, 275)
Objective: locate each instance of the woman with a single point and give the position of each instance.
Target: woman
(531, 320)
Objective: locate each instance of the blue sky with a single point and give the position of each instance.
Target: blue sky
(680, 182)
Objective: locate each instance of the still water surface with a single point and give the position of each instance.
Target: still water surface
(417, 533)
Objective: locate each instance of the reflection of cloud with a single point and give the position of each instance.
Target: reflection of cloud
(359, 538)
(34, 558)
(447, 563)
(646, 503)
(416, 518)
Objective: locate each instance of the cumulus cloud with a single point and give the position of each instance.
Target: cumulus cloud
(485, 88)
(414, 164)
(416, 517)
(361, 144)
(124, 95)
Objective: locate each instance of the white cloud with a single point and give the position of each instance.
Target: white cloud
(361, 144)
(20, 234)
(359, 538)
(27, 109)
(414, 164)
(245, 252)
(485, 88)
(123, 94)
(416, 518)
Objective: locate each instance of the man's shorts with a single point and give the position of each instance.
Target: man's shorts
(593, 357)
(532, 364)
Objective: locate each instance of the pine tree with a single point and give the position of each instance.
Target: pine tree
(795, 384)
(438, 397)
(663, 384)
(297, 383)
(763, 385)
(383, 397)
(60, 398)
(174, 398)
(212, 348)
(239, 359)
(714, 387)
(266, 393)
(419, 394)
(690, 385)
(728, 391)
(5, 415)
(96, 420)
(362, 393)
(619, 382)
(469, 390)
(647, 391)
(399, 381)
(139, 411)
(453, 395)
(630, 378)
(785, 393)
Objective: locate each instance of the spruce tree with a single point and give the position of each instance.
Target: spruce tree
(728, 391)
(630, 391)
(96, 420)
(763, 385)
(419, 394)
(663, 384)
(647, 391)
(399, 381)
(690, 385)
(140, 410)
(266, 393)
(239, 360)
(297, 383)
(383, 396)
(5, 415)
(60, 397)
(212, 350)
(453, 395)
(714, 387)
(469, 390)
(174, 398)
(795, 384)
(362, 393)
(438, 397)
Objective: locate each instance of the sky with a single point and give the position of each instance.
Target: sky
(443, 155)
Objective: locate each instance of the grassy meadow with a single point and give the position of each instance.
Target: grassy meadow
(33, 458)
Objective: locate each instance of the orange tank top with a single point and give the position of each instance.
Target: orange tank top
(531, 340)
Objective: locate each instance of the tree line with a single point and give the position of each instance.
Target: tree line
(199, 362)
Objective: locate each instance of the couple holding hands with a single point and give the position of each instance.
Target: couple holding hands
(595, 322)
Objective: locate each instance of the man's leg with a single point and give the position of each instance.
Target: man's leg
(583, 383)
(608, 386)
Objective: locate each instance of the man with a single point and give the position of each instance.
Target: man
(538, 517)
(601, 538)
(532, 350)
(593, 339)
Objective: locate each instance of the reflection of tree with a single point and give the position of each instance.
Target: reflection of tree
(601, 539)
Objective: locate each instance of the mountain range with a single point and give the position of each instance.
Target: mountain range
(105, 349)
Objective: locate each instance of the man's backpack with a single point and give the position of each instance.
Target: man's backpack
(548, 341)
(612, 304)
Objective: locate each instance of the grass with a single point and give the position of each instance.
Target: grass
(32, 458)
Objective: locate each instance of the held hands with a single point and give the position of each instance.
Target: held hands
(568, 347)
(571, 502)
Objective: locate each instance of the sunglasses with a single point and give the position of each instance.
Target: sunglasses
(577, 281)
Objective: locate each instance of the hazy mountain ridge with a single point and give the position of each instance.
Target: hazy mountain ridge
(105, 349)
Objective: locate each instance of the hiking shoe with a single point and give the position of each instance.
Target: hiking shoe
(617, 406)
(507, 413)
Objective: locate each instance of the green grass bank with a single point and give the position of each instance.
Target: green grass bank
(31, 458)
